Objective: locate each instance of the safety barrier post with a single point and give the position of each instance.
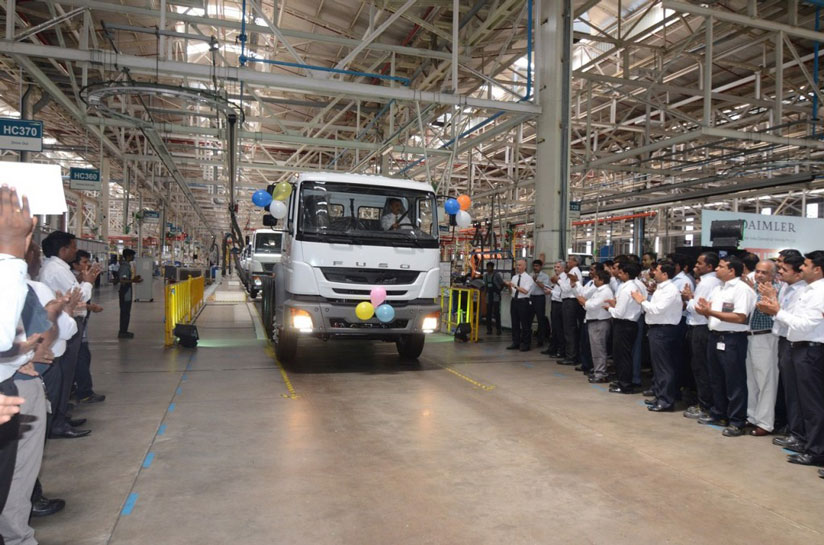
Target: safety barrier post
(182, 302)
(452, 318)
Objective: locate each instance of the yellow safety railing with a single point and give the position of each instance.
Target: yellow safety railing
(183, 301)
(461, 305)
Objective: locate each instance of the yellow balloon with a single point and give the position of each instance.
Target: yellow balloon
(282, 191)
(364, 310)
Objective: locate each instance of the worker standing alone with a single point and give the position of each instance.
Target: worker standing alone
(126, 277)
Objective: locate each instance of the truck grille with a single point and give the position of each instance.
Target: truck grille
(268, 267)
(366, 292)
(341, 323)
(369, 276)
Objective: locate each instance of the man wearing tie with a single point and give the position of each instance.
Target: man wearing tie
(520, 309)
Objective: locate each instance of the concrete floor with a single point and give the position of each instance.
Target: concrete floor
(473, 445)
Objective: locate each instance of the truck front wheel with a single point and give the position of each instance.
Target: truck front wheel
(253, 293)
(286, 345)
(410, 346)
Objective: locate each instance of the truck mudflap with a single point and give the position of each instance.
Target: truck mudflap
(339, 319)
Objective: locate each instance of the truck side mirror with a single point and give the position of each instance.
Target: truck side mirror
(269, 220)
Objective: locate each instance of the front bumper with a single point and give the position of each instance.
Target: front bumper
(339, 319)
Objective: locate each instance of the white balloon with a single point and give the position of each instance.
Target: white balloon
(278, 209)
(463, 219)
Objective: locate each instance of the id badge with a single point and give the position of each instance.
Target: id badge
(727, 307)
(720, 346)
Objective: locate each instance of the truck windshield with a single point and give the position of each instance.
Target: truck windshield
(361, 214)
(268, 243)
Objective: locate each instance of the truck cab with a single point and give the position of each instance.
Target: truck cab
(344, 235)
(262, 253)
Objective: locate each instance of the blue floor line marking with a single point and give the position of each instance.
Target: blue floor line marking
(788, 451)
(714, 426)
(162, 429)
(184, 377)
(559, 375)
(149, 459)
(598, 387)
(527, 364)
(130, 501)
(179, 390)
(641, 403)
(171, 407)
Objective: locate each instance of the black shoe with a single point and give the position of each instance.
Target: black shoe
(602, 380)
(732, 431)
(498, 332)
(648, 393)
(658, 408)
(539, 344)
(512, 347)
(125, 335)
(806, 459)
(566, 361)
(93, 398)
(709, 420)
(579, 368)
(74, 422)
(821, 473)
(489, 332)
(616, 389)
(525, 349)
(69, 433)
(43, 507)
(651, 402)
(546, 352)
(790, 442)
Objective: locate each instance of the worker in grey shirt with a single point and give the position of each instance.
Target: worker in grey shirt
(538, 298)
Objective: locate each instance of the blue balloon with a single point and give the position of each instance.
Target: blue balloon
(452, 206)
(385, 313)
(262, 198)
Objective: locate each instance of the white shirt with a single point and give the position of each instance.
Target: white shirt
(556, 289)
(12, 297)
(390, 219)
(625, 306)
(567, 291)
(614, 284)
(596, 301)
(787, 298)
(681, 280)
(10, 365)
(543, 278)
(706, 284)
(525, 282)
(806, 322)
(66, 325)
(57, 275)
(732, 296)
(664, 308)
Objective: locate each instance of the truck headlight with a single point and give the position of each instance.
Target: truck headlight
(302, 320)
(257, 281)
(430, 323)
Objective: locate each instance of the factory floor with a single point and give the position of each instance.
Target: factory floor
(473, 445)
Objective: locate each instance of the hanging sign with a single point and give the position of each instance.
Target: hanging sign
(84, 179)
(21, 134)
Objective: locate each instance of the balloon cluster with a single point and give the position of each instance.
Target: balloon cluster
(458, 208)
(274, 200)
(376, 306)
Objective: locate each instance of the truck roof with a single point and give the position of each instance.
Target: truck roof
(365, 180)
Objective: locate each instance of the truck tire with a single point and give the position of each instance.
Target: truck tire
(286, 345)
(253, 293)
(410, 346)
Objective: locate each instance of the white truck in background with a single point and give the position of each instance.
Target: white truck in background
(260, 256)
(345, 234)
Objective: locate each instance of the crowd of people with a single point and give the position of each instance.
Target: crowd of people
(45, 361)
(738, 341)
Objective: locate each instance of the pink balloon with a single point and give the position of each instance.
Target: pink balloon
(377, 296)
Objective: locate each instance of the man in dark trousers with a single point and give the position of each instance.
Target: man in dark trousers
(538, 299)
(126, 278)
(493, 284)
(520, 309)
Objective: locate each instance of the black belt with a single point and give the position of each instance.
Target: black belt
(699, 325)
(599, 320)
(730, 333)
(809, 344)
(626, 320)
(761, 332)
(524, 299)
(653, 326)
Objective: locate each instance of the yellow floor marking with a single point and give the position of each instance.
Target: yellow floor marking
(484, 387)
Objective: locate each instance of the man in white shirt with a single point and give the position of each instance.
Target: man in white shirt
(626, 313)
(793, 281)
(663, 314)
(60, 249)
(728, 309)
(597, 317)
(556, 316)
(396, 217)
(572, 311)
(805, 330)
(520, 309)
(16, 226)
(538, 298)
(698, 332)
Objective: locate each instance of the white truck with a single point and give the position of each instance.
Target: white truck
(344, 235)
(261, 255)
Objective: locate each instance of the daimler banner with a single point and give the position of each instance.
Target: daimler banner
(765, 235)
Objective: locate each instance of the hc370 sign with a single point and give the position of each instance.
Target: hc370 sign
(21, 135)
